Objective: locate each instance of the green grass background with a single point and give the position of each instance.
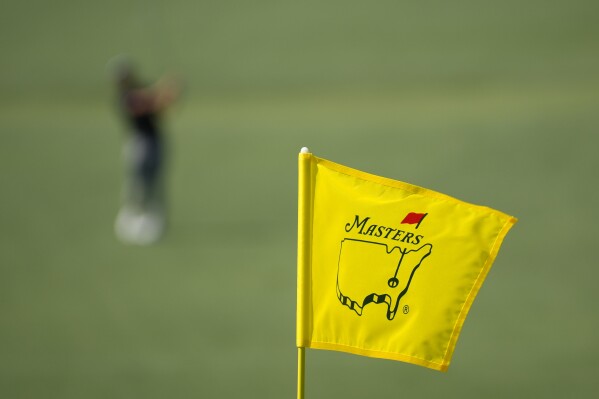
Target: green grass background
(495, 103)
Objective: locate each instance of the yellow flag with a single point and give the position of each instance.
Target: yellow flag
(385, 268)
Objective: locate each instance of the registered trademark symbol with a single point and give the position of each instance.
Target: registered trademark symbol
(406, 309)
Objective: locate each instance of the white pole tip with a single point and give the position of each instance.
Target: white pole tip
(305, 150)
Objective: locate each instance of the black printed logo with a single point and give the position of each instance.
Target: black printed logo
(374, 273)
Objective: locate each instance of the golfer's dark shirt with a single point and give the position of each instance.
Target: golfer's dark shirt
(145, 125)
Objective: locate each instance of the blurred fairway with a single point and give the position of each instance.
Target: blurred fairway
(493, 103)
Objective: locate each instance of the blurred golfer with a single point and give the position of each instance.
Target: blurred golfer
(142, 218)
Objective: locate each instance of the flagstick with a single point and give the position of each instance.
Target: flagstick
(301, 371)
(303, 252)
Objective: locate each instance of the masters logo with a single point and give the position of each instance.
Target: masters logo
(379, 272)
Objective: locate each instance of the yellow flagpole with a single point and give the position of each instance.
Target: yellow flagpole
(303, 262)
(301, 372)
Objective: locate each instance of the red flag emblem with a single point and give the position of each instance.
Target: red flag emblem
(414, 218)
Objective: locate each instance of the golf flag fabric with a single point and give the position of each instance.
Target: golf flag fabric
(387, 269)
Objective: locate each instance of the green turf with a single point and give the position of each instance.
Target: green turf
(493, 103)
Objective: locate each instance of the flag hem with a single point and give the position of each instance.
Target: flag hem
(443, 366)
(346, 170)
(304, 250)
